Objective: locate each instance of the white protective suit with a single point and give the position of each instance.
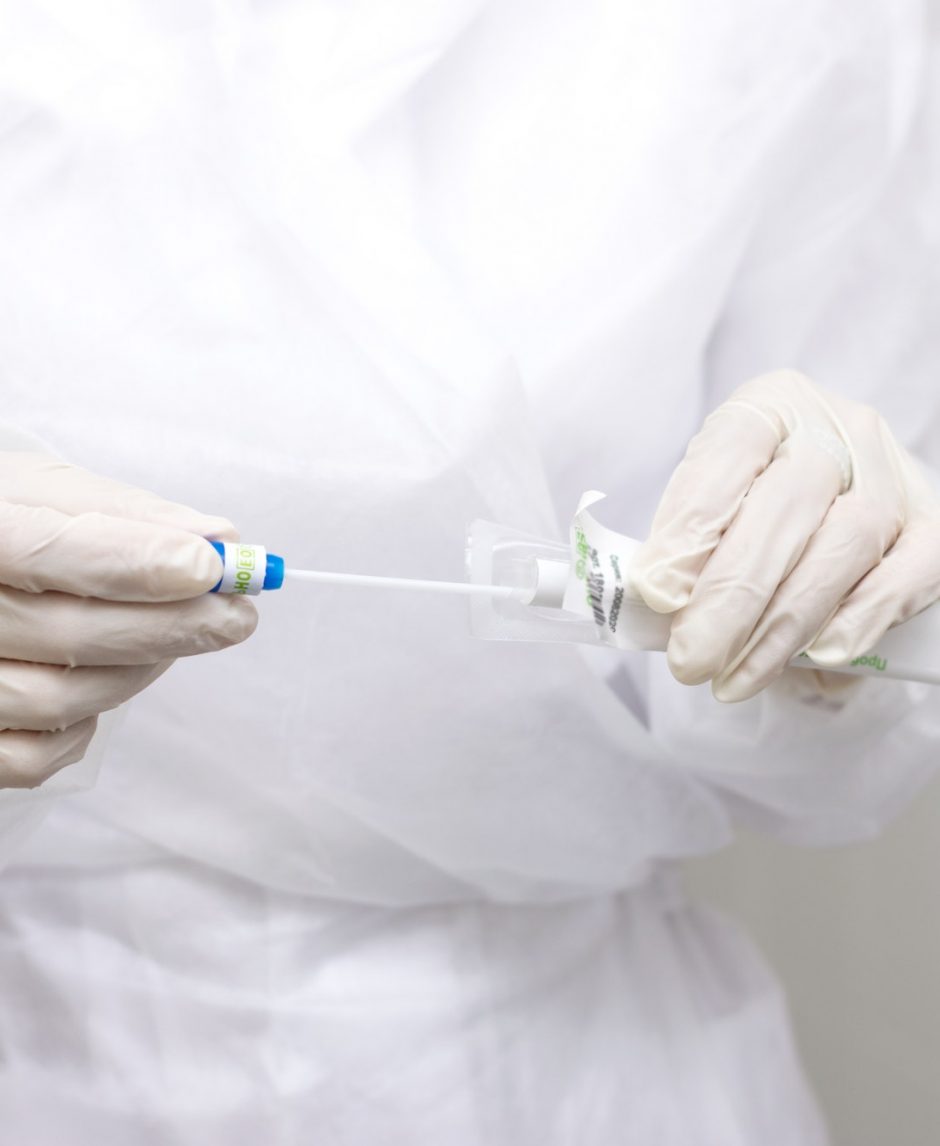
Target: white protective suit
(353, 275)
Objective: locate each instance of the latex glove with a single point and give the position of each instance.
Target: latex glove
(101, 587)
(795, 522)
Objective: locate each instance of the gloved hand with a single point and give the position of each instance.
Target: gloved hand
(795, 522)
(101, 587)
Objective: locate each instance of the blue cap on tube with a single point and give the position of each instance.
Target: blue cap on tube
(273, 572)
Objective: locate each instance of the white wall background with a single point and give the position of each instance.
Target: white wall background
(854, 933)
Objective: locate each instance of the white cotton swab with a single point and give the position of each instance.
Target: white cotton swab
(457, 588)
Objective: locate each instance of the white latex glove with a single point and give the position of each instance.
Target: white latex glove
(795, 522)
(101, 587)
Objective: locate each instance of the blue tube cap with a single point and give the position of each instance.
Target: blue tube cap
(273, 572)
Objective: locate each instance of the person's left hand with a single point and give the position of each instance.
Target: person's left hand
(796, 522)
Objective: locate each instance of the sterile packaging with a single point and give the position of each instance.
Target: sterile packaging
(580, 592)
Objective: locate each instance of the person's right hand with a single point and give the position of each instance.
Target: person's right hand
(102, 586)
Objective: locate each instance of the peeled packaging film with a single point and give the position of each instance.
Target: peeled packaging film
(570, 592)
(580, 592)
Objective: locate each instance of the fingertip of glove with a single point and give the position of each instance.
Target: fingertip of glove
(685, 665)
(829, 652)
(659, 588)
(221, 622)
(725, 691)
(219, 529)
(244, 619)
(734, 688)
(206, 564)
(168, 566)
(201, 564)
